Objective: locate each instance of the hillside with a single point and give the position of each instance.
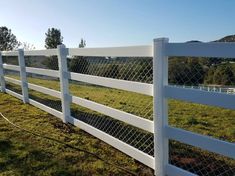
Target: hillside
(229, 38)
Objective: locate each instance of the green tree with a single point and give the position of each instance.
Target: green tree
(82, 44)
(79, 64)
(209, 78)
(187, 71)
(8, 40)
(178, 71)
(53, 39)
(196, 71)
(222, 74)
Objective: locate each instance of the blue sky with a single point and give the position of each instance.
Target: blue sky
(118, 22)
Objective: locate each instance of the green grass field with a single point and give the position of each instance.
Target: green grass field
(212, 121)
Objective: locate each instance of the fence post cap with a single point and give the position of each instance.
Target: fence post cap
(61, 46)
(20, 49)
(163, 39)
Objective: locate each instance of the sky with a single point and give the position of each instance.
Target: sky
(106, 23)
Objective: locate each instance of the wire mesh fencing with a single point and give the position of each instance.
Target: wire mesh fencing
(13, 87)
(44, 81)
(200, 162)
(208, 74)
(45, 62)
(205, 74)
(12, 60)
(130, 69)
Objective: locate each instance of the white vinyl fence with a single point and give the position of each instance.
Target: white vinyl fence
(158, 89)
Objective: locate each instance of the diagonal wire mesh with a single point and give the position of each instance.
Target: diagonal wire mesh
(206, 74)
(14, 87)
(183, 72)
(12, 60)
(133, 136)
(130, 69)
(46, 62)
(44, 81)
(200, 162)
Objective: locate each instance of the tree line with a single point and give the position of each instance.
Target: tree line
(195, 71)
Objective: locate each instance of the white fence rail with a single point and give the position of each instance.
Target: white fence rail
(160, 90)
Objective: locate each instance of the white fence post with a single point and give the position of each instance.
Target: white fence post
(64, 82)
(160, 79)
(2, 79)
(24, 83)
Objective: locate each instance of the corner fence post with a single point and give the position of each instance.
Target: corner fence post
(64, 81)
(23, 77)
(2, 79)
(160, 109)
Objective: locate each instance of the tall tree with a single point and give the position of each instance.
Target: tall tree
(82, 44)
(221, 74)
(8, 40)
(79, 64)
(53, 39)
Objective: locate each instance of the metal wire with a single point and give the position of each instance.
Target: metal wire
(205, 74)
(130, 69)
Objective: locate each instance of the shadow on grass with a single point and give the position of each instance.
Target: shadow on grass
(28, 160)
(200, 162)
(129, 134)
(46, 100)
(14, 88)
(5, 145)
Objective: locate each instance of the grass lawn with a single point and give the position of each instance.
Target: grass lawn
(24, 154)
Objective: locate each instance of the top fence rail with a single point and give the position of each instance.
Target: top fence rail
(128, 51)
(198, 49)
